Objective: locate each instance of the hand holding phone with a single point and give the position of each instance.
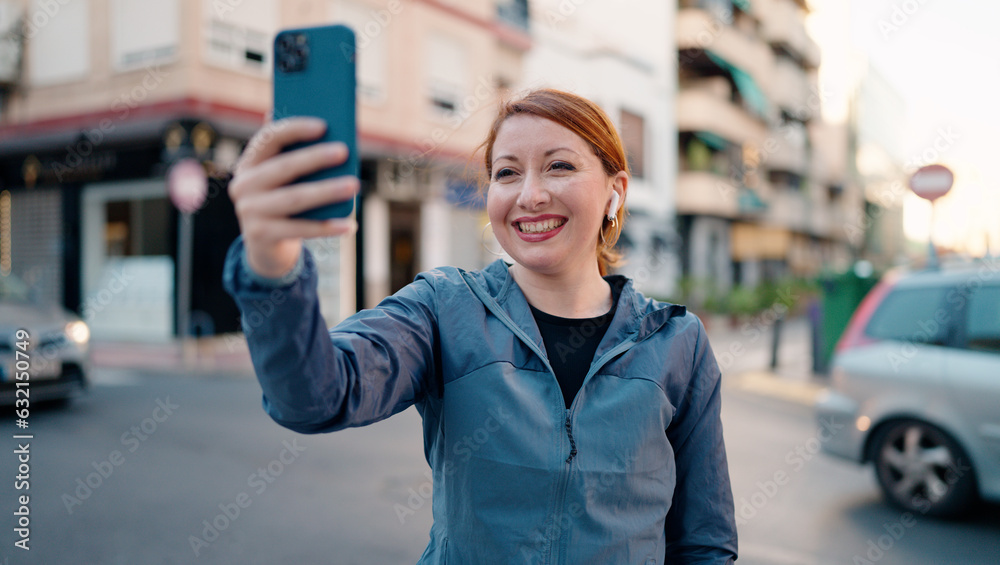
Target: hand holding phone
(315, 75)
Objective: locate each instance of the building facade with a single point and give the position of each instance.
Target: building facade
(757, 199)
(103, 97)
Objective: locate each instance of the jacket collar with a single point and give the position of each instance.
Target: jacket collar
(636, 315)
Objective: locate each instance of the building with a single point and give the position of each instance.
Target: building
(101, 97)
(754, 202)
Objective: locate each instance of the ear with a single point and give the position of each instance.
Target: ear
(619, 185)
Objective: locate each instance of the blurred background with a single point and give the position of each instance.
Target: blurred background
(771, 144)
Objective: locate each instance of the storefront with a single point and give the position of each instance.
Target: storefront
(91, 227)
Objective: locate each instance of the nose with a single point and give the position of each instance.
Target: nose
(534, 194)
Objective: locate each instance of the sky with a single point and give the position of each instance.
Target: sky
(943, 58)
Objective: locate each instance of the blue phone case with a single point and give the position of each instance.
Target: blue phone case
(314, 75)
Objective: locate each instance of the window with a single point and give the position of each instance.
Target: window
(372, 46)
(634, 136)
(983, 320)
(239, 35)
(59, 36)
(916, 315)
(144, 33)
(446, 73)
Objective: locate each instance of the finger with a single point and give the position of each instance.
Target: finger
(282, 229)
(297, 198)
(284, 169)
(273, 137)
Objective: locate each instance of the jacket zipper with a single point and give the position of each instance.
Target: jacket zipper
(572, 442)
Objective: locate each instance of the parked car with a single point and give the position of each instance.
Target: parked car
(54, 344)
(915, 388)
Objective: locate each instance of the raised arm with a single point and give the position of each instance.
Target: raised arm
(370, 367)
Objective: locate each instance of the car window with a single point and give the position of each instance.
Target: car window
(911, 314)
(982, 324)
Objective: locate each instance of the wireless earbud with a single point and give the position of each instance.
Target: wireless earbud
(614, 206)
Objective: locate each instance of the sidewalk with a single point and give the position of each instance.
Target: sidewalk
(218, 356)
(744, 356)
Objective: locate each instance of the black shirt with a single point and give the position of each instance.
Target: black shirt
(572, 342)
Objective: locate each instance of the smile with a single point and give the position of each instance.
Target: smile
(540, 227)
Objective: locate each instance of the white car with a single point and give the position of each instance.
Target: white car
(915, 382)
(51, 344)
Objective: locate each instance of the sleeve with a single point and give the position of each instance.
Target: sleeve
(372, 365)
(701, 524)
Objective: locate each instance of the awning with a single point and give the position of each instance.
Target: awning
(745, 83)
(712, 140)
(749, 202)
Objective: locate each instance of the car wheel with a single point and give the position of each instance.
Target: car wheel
(921, 469)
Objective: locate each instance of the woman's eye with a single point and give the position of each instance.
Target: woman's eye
(563, 165)
(503, 173)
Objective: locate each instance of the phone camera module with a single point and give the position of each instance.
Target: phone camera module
(293, 52)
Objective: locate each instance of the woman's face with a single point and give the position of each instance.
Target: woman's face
(548, 195)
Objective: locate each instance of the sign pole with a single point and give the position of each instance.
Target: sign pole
(932, 256)
(930, 183)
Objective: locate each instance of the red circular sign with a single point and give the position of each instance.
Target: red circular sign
(932, 182)
(188, 185)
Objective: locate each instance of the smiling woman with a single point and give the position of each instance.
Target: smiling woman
(594, 410)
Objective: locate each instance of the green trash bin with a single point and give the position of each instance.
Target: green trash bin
(840, 295)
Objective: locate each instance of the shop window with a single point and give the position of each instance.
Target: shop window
(144, 33)
(137, 227)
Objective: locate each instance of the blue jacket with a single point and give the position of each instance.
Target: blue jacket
(634, 472)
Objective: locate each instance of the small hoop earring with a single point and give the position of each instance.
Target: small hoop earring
(482, 238)
(614, 226)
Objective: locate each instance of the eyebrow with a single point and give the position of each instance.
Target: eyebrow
(546, 154)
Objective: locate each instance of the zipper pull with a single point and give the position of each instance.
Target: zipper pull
(572, 442)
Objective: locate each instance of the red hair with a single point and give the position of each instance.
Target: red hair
(588, 120)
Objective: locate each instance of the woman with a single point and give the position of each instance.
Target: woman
(567, 418)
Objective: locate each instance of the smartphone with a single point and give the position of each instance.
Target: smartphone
(315, 75)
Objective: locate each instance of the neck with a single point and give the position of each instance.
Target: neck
(570, 295)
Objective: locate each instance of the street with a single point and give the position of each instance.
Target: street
(155, 468)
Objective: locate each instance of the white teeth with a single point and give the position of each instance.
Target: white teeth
(539, 227)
